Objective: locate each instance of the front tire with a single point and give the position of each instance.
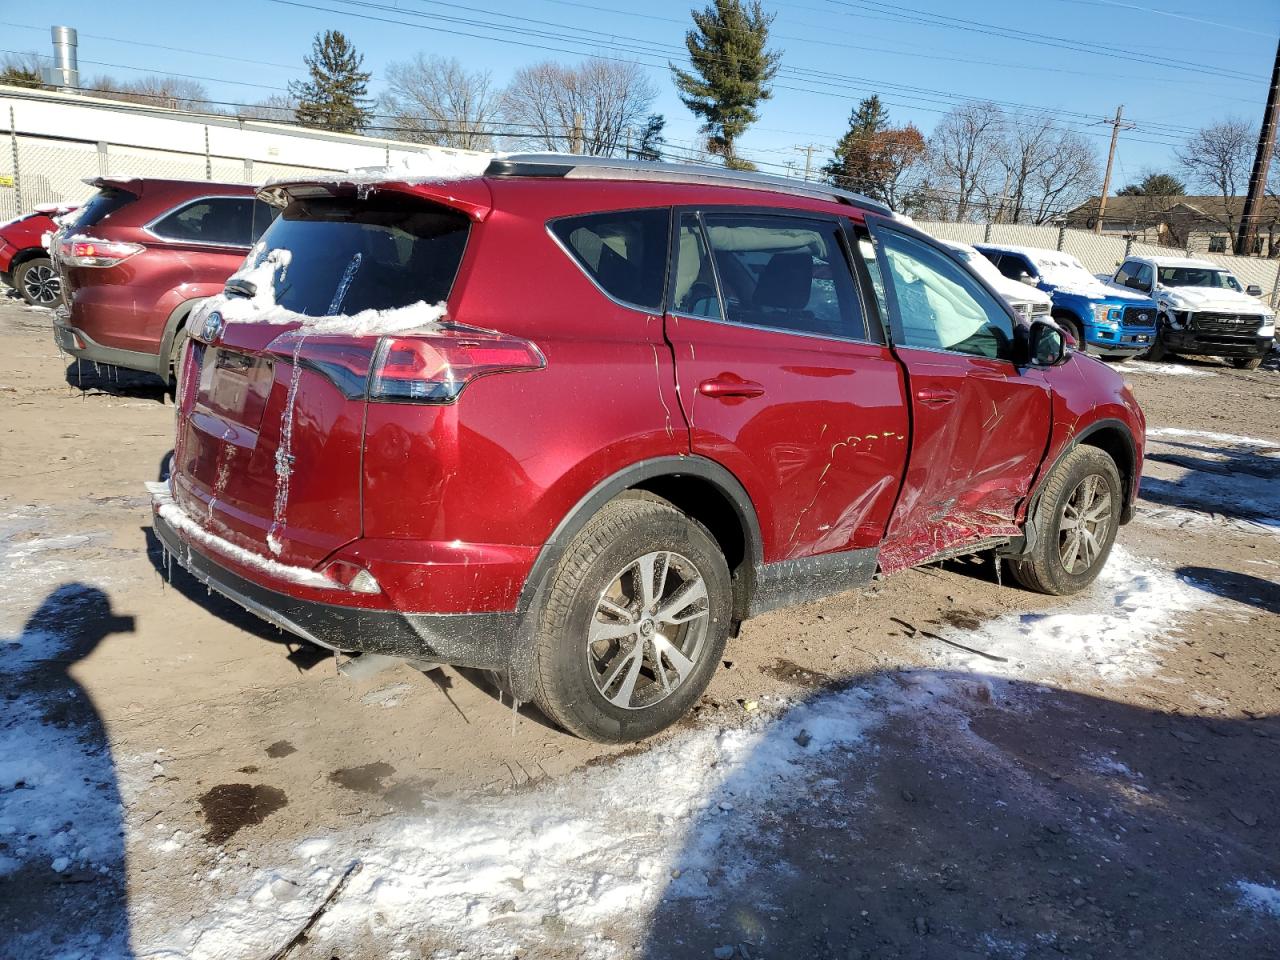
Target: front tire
(1077, 517)
(1077, 334)
(636, 618)
(38, 283)
(1157, 351)
(1246, 363)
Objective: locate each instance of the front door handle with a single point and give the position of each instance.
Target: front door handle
(730, 385)
(935, 396)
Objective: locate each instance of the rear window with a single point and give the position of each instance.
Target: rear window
(101, 205)
(348, 255)
(625, 252)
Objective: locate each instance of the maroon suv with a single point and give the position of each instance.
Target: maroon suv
(139, 256)
(575, 419)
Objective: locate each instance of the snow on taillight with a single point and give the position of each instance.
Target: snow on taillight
(431, 367)
(88, 252)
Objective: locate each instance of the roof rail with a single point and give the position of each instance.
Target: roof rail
(575, 167)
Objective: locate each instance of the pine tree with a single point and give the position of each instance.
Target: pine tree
(854, 165)
(732, 68)
(651, 138)
(334, 97)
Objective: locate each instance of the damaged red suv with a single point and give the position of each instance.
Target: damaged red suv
(576, 419)
(137, 259)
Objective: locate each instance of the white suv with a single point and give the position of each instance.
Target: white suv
(1203, 309)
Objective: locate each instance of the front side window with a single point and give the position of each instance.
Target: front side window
(625, 252)
(220, 220)
(1012, 266)
(786, 273)
(941, 307)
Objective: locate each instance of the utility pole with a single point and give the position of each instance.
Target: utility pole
(1116, 126)
(576, 142)
(1261, 164)
(808, 158)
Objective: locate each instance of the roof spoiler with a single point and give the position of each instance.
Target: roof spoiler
(470, 195)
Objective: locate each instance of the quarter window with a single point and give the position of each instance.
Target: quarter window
(624, 252)
(220, 220)
(940, 305)
(787, 273)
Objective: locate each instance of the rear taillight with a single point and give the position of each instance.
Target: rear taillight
(355, 578)
(420, 368)
(87, 252)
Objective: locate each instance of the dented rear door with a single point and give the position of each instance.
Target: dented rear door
(980, 425)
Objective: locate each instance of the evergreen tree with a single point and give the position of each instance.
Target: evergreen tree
(651, 138)
(853, 164)
(1155, 185)
(731, 72)
(334, 97)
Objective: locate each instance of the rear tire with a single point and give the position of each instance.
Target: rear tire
(37, 282)
(1077, 517)
(625, 580)
(1246, 363)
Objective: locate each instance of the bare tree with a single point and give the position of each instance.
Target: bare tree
(1218, 158)
(1046, 169)
(964, 157)
(154, 90)
(611, 98)
(437, 100)
(279, 107)
(20, 69)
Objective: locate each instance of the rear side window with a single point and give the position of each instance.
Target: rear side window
(624, 252)
(221, 220)
(100, 206)
(348, 255)
(788, 273)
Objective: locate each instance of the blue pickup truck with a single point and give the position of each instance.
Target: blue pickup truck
(1104, 320)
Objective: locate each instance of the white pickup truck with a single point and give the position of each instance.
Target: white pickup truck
(1203, 309)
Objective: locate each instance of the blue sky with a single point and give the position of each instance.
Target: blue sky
(1165, 63)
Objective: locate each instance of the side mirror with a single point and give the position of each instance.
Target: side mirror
(1133, 283)
(1048, 346)
(1253, 290)
(1027, 278)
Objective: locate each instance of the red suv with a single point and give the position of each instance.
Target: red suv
(139, 256)
(24, 261)
(575, 419)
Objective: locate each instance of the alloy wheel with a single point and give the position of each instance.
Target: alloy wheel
(41, 285)
(1086, 522)
(648, 630)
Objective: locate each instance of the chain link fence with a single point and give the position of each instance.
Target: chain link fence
(42, 170)
(1101, 253)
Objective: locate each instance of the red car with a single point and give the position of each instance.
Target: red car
(139, 256)
(651, 401)
(24, 261)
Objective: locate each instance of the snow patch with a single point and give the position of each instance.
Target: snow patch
(1164, 369)
(1114, 631)
(1159, 433)
(1256, 896)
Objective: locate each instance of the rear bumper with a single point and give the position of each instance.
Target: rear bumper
(1201, 343)
(80, 345)
(481, 640)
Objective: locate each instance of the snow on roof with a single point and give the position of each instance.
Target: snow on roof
(436, 166)
(1180, 262)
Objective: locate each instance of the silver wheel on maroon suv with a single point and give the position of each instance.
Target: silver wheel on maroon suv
(38, 283)
(636, 617)
(1076, 517)
(649, 630)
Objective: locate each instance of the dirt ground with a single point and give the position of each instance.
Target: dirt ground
(941, 766)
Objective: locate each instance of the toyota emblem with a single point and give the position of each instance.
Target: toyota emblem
(212, 328)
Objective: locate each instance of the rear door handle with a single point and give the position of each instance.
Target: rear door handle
(730, 385)
(935, 396)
